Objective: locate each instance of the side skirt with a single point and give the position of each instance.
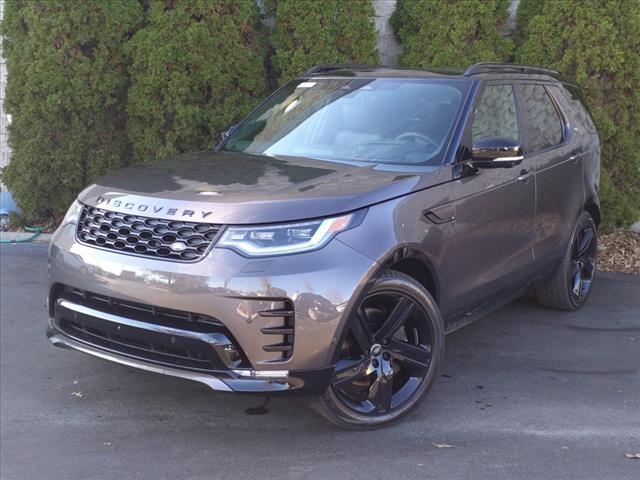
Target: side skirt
(459, 320)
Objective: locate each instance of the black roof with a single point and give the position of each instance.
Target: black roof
(486, 68)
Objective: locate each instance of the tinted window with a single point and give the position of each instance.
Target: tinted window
(496, 114)
(573, 96)
(543, 122)
(386, 120)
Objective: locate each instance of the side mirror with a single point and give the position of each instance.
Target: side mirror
(496, 152)
(229, 131)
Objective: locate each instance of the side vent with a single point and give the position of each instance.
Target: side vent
(281, 335)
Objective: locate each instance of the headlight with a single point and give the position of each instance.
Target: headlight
(285, 239)
(72, 214)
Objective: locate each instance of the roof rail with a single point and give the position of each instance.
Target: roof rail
(335, 66)
(488, 67)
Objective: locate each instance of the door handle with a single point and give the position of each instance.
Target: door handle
(575, 155)
(524, 176)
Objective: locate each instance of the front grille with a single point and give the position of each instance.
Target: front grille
(145, 236)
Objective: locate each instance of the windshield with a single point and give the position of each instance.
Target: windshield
(401, 121)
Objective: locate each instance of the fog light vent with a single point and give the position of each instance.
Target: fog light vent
(282, 334)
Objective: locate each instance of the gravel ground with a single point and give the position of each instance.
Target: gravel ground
(619, 252)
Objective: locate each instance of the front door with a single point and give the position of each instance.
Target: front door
(495, 211)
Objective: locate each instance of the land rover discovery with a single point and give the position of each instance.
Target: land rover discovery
(329, 242)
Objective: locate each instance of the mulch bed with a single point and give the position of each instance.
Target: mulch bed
(619, 252)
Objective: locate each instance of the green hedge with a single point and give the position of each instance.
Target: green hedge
(527, 9)
(451, 33)
(197, 67)
(313, 32)
(596, 43)
(67, 83)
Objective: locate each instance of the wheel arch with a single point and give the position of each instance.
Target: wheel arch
(406, 259)
(591, 206)
(418, 266)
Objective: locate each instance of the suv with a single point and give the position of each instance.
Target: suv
(330, 241)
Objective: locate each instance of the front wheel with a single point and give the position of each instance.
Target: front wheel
(390, 357)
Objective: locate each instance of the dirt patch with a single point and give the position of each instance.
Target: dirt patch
(619, 252)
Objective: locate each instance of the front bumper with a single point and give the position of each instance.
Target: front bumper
(244, 295)
(309, 382)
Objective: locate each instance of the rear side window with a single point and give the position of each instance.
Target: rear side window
(573, 96)
(543, 121)
(496, 114)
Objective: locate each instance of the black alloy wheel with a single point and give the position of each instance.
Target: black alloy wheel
(583, 262)
(389, 357)
(572, 282)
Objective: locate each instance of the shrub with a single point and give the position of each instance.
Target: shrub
(197, 67)
(596, 43)
(527, 9)
(66, 90)
(451, 33)
(309, 33)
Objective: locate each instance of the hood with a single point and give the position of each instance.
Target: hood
(237, 188)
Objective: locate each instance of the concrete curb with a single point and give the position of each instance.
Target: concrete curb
(17, 236)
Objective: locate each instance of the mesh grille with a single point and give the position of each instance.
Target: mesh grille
(148, 237)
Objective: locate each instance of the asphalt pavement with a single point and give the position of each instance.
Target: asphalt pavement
(526, 393)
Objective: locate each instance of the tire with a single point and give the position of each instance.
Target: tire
(406, 339)
(4, 222)
(572, 282)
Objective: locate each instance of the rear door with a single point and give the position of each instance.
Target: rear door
(494, 210)
(554, 152)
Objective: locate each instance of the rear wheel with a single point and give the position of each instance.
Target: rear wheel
(390, 356)
(571, 284)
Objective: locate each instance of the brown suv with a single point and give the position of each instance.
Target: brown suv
(333, 238)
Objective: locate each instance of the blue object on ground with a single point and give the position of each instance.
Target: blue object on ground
(7, 204)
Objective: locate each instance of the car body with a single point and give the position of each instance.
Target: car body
(257, 254)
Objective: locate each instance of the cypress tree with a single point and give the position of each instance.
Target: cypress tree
(312, 32)
(196, 68)
(66, 90)
(451, 33)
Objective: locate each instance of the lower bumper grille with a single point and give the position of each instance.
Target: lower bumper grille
(147, 313)
(164, 337)
(151, 350)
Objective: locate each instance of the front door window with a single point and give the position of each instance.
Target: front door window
(496, 114)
